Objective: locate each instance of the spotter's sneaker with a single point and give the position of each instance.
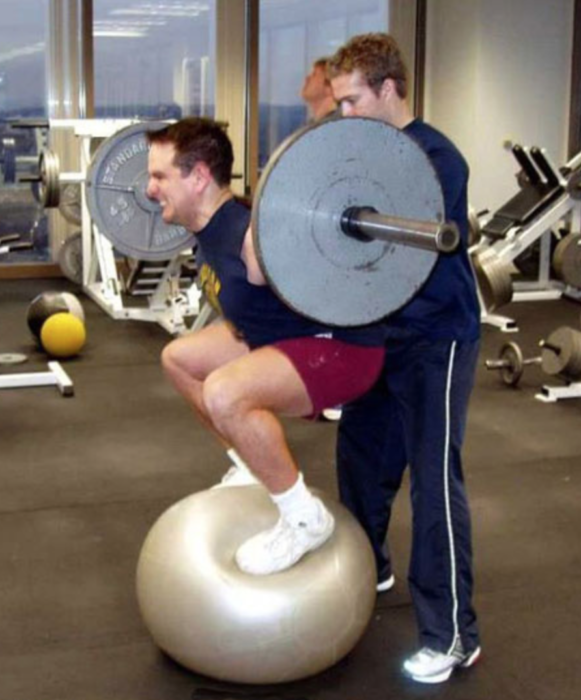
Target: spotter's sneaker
(386, 585)
(332, 414)
(429, 666)
(237, 475)
(283, 545)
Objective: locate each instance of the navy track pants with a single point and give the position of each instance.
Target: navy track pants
(416, 415)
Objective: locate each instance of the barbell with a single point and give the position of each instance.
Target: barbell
(348, 221)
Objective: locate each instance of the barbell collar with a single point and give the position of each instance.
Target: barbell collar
(546, 345)
(367, 224)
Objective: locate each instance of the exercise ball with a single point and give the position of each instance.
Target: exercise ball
(46, 304)
(216, 620)
(63, 335)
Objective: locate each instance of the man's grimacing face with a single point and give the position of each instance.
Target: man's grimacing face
(168, 186)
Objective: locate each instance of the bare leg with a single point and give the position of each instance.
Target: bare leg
(243, 399)
(188, 360)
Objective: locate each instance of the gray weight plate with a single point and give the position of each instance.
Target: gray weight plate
(561, 353)
(494, 279)
(310, 180)
(70, 203)
(512, 361)
(474, 228)
(567, 260)
(116, 196)
(49, 169)
(70, 257)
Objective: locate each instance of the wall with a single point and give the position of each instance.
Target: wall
(497, 71)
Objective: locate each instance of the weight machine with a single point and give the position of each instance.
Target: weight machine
(549, 202)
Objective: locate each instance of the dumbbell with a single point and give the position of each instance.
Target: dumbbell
(511, 363)
(560, 356)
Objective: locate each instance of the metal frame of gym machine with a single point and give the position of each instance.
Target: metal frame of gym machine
(545, 287)
(168, 304)
(521, 237)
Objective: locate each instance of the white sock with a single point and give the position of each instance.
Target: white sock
(297, 503)
(237, 459)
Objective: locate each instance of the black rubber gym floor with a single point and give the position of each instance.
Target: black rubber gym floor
(84, 478)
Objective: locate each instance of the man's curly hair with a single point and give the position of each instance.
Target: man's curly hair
(376, 56)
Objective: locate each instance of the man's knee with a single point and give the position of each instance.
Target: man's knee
(179, 358)
(222, 397)
(171, 359)
(168, 357)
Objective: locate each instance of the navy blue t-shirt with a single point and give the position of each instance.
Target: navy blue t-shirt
(446, 307)
(255, 311)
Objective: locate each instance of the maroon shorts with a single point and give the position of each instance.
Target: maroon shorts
(333, 372)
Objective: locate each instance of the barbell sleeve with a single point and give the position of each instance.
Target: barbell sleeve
(546, 345)
(496, 364)
(29, 178)
(367, 224)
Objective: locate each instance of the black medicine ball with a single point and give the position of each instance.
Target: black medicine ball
(48, 303)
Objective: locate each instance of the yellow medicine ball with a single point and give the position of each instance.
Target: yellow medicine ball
(63, 335)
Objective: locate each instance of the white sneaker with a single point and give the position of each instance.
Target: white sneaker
(430, 666)
(332, 414)
(237, 475)
(386, 585)
(283, 545)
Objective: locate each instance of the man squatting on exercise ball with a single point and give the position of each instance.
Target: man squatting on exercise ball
(261, 360)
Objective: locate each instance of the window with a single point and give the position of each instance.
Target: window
(154, 59)
(22, 95)
(294, 33)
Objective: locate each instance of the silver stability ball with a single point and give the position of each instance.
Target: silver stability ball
(212, 618)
